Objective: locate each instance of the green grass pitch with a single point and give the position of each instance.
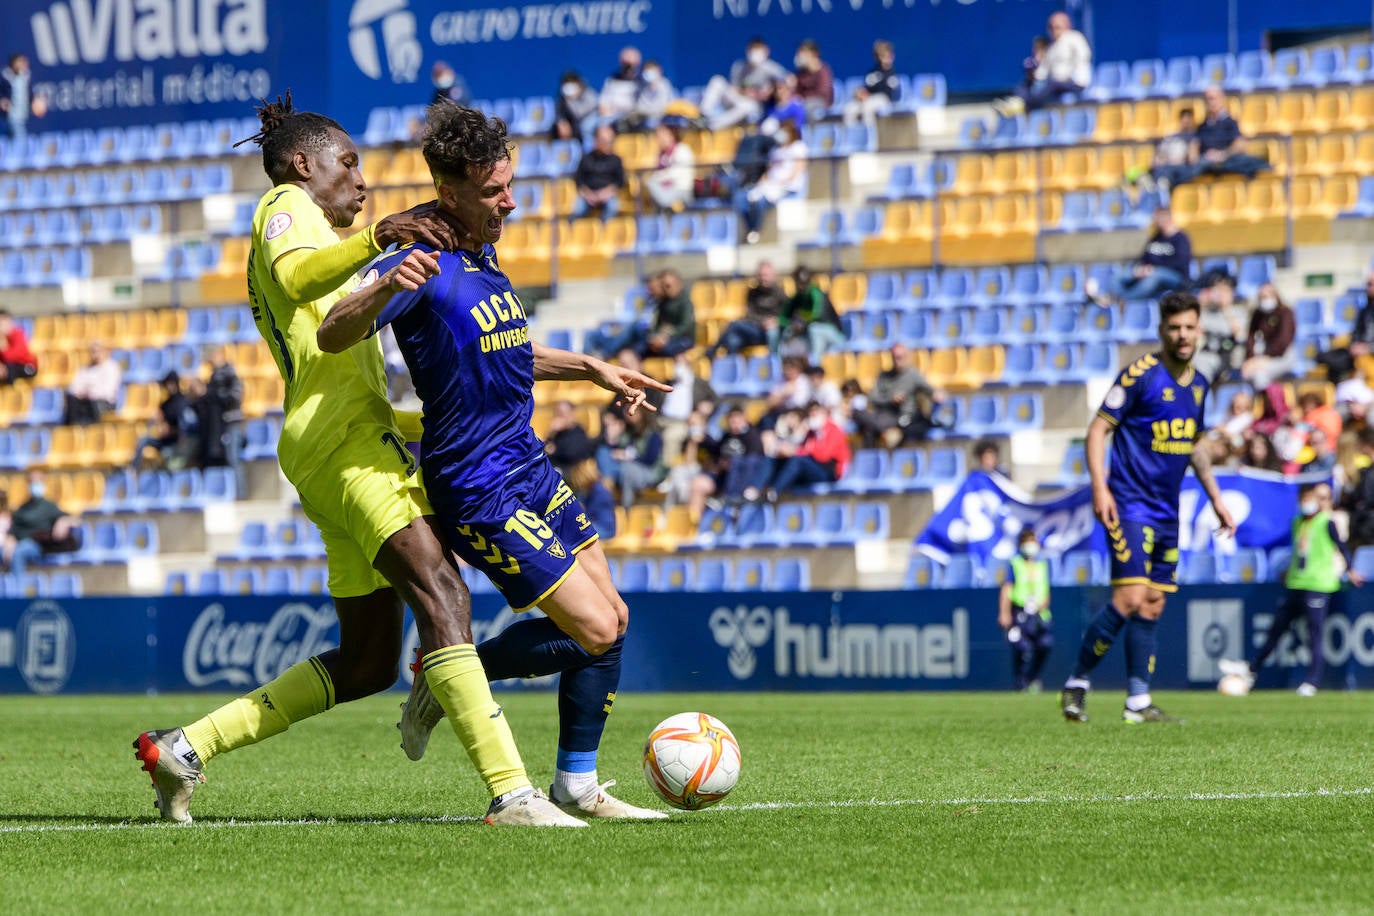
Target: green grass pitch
(851, 803)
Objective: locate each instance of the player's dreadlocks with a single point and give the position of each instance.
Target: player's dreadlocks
(285, 132)
(457, 138)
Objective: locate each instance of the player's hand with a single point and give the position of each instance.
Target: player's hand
(632, 386)
(412, 272)
(427, 224)
(1104, 507)
(1226, 525)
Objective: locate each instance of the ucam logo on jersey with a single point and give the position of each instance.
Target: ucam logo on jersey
(394, 24)
(42, 646)
(836, 650)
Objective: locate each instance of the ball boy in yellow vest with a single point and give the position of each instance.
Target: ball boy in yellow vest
(1024, 611)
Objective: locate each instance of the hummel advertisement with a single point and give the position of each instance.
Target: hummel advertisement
(792, 641)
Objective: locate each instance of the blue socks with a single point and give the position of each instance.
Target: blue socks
(1098, 639)
(585, 696)
(1141, 637)
(534, 647)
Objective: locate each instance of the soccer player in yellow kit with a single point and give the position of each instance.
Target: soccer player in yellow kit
(343, 450)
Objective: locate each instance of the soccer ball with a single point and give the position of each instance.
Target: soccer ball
(1233, 685)
(691, 760)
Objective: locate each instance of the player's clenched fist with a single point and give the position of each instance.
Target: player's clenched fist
(412, 273)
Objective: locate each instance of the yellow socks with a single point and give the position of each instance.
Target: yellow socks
(303, 690)
(456, 679)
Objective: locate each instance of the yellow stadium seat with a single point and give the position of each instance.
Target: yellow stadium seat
(905, 240)
(1011, 172)
(838, 366)
(707, 296)
(641, 522)
(1331, 110)
(867, 366)
(1294, 115)
(1075, 168)
(14, 403)
(1360, 114)
(986, 364)
(1304, 152)
(949, 369)
(676, 528)
(1149, 120)
(141, 401)
(972, 171)
(848, 291)
(1335, 153)
(1258, 112)
(1112, 118)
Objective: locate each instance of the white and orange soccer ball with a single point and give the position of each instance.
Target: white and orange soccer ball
(691, 760)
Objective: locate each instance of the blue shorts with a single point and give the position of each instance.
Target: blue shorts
(1144, 555)
(524, 533)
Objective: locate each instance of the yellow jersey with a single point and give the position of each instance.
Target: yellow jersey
(326, 393)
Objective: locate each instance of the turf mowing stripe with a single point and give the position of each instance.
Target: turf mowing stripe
(752, 806)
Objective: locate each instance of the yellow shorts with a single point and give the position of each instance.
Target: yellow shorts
(365, 492)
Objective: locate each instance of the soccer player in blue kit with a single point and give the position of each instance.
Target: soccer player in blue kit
(1155, 411)
(502, 505)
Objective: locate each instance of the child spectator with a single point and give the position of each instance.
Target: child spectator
(822, 457)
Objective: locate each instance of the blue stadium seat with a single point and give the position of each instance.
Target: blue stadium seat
(255, 543)
(918, 286)
(1146, 76)
(961, 571)
(1291, 68)
(922, 572)
(884, 290)
(906, 472)
(212, 582)
(871, 521)
(1197, 567)
(1216, 69)
(1099, 359)
(951, 326)
(751, 575)
(1245, 565)
(1065, 285)
(236, 324)
(790, 574)
(1358, 66)
(754, 525)
(985, 414)
(638, 575)
(1026, 324)
(1254, 70)
(713, 528)
(141, 538)
(1364, 201)
(1139, 322)
(675, 574)
(1180, 73)
(1008, 132)
(988, 325)
(1079, 567)
(539, 115)
(713, 575)
(990, 286)
(1102, 323)
(1025, 365)
(955, 287)
(973, 132)
(1043, 126)
(1111, 81)
(928, 90)
(1362, 562)
(866, 472)
(280, 580)
(65, 585)
(902, 183)
(792, 522)
(1255, 271)
(178, 583)
(314, 580)
(1025, 410)
(946, 466)
(916, 327)
(1073, 471)
(1079, 213)
(246, 580)
(218, 485)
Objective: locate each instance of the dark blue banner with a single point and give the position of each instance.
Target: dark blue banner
(796, 641)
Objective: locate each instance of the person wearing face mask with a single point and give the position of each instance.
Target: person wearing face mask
(575, 110)
(1221, 325)
(38, 527)
(814, 80)
(621, 88)
(727, 102)
(656, 93)
(1313, 577)
(448, 85)
(1269, 353)
(1023, 611)
(822, 457)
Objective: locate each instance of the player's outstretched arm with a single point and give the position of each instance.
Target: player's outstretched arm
(1104, 504)
(352, 317)
(551, 364)
(1202, 467)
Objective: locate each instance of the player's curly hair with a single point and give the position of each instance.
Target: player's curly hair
(286, 132)
(458, 138)
(1176, 303)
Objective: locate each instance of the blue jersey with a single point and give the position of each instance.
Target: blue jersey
(467, 344)
(1157, 418)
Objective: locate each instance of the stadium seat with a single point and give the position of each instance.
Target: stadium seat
(871, 520)
(867, 472)
(280, 580)
(1362, 561)
(961, 571)
(213, 582)
(1244, 566)
(676, 574)
(790, 574)
(64, 585)
(1025, 365)
(946, 466)
(1111, 81)
(245, 581)
(1073, 472)
(1079, 567)
(751, 575)
(1197, 567)
(922, 572)
(1358, 65)
(178, 583)
(1025, 411)
(713, 575)
(638, 575)
(314, 580)
(792, 523)
(754, 525)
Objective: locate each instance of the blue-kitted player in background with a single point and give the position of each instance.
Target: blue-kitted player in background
(1154, 412)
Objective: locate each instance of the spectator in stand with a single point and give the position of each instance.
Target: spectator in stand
(987, 457)
(17, 100)
(825, 392)
(38, 527)
(815, 82)
(1340, 362)
(1354, 397)
(600, 177)
(610, 337)
(220, 411)
(853, 403)
(575, 110)
(1320, 455)
(881, 89)
(690, 395)
(1222, 328)
(1174, 158)
(811, 314)
(759, 326)
(739, 465)
(629, 358)
(675, 321)
(1220, 146)
(595, 498)
(1162, 267)
(741, 97)
(1067, 68)
(1358, 499)
(448, 85)
(1030, 64)
(1258, 454)
(656, 93)
(1269, 353)
(669, 185)
(1317, 414)
(792, 392)
(16, 359)
(1240, 417)
(620, 91)
(172, 435)
(786, 177)
(567, 443)
(901, 404)
(822, 457)
(631, 454)
(784, 107)
(94, 390)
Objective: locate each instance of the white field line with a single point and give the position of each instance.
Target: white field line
(752, 806)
